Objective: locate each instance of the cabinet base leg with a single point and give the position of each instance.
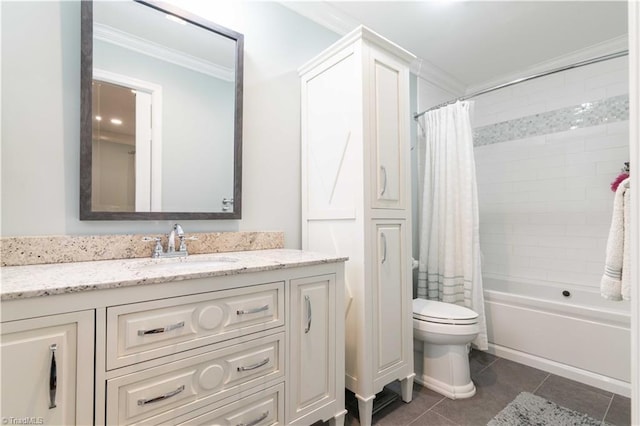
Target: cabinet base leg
(338, 419)
(406, 387)
(365, 409)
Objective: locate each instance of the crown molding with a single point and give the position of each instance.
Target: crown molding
(384, 43)
(427, 71)
(337, 21)
(360, 33)
(343, 24)
(607, 47)
(323, 14)
(119, 38)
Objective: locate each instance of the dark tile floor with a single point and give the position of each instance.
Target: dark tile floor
(498, 381)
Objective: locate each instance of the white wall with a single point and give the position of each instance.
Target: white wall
(545, 201)
(41, 116)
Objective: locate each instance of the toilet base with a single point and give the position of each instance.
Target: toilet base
(443, 369)
(446, 389)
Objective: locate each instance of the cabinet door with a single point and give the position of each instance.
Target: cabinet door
(47, 369)
(391, 299)
(332, 138)
(388, 130)
(312, 354)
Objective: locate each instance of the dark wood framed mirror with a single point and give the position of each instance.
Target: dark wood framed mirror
(161, 114)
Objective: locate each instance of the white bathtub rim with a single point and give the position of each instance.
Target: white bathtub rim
(600, 381)
(623, 306)
(615, 318)
(533, 281)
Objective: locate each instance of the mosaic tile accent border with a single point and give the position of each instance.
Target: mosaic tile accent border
(608, 110)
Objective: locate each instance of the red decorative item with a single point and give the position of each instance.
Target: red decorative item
(619, 179)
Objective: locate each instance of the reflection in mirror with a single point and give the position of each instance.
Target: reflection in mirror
(114, 149)
(161, 114)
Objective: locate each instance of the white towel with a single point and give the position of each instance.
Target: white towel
(626, 247)
(616, 268)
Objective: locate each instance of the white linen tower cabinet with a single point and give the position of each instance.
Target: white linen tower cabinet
(356, 200)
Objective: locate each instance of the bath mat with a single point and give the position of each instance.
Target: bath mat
(531, 410)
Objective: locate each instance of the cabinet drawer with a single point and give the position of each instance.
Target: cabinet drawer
(143, 331)
(160, 393)
(260, 409)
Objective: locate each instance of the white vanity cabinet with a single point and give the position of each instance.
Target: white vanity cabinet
(356, 200)
(168, 357)
(313, 353)
(260, 344)
(47, 369)
(142, 331)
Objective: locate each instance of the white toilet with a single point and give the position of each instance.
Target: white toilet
(441, 334)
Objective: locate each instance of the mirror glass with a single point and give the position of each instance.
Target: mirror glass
(161, 114)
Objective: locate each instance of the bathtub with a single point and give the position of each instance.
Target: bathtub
(562, 329)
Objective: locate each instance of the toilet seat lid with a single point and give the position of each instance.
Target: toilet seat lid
(441, 312)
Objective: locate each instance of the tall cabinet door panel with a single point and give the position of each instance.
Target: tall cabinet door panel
(312, 346)
(389, 293)
(331, 177)
(55, 381)
(388, 80)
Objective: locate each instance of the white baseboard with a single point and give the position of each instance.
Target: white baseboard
(583, 376)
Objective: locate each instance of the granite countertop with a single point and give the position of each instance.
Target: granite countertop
(21, 282)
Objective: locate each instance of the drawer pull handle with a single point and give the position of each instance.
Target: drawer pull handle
(161, 329)
(307, 299)
(254, 366)
(161, 397)
(384, 180)
(252, 311)
(53, 377)
(256, 421)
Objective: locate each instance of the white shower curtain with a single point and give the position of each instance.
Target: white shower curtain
(449, 267)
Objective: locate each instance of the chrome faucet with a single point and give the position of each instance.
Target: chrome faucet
(176, 231)
(171, 245)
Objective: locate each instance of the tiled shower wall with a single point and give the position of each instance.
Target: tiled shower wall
(546, 153)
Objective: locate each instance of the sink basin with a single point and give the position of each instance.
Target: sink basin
(189, 263)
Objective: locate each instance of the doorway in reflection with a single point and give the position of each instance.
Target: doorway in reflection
(123, 151)
(114, 147)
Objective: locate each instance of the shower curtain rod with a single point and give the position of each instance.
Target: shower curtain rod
(523, 79)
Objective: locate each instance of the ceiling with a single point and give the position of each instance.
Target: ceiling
(475, 44)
